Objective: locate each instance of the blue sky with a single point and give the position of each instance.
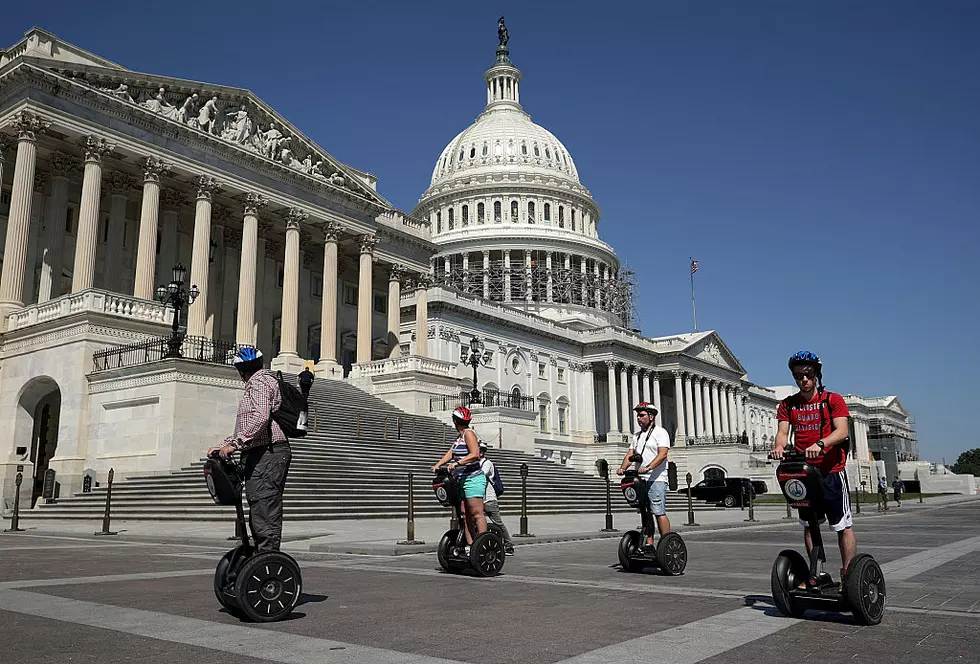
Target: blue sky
(820, 159)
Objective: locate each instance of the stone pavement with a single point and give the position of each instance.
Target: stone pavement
(70, 596)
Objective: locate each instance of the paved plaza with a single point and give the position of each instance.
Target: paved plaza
(145, 595)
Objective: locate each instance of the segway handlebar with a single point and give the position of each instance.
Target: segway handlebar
(794, 455)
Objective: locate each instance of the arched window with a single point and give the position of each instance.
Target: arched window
(485, 148)
(524, 148)
(451, 218)
(510, 148)
(472, 151)
(438, 222)
(497, 149)
(547, 211)
(462, 154)
(466, 215)
(514, 211)
(496, 211)
(573, 219)
(479, 213)
(530, 213)
(561, 216)
(537, 152)
(547, 153)
(716, 474)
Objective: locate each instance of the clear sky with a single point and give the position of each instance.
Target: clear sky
(820, 159)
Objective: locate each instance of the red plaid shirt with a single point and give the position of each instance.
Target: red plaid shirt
(254, 425)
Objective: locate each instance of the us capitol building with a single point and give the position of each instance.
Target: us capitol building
(110, 178)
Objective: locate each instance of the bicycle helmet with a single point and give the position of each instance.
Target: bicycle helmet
(648, 407)
(483, 447)
(247, 360)
(811, 359)
(462, 414)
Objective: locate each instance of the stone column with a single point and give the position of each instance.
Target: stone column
(656, 398)
(624, 399)
(689, 402)
(506, 275)
(549, 289)
(422, 316)
(395, 275)
(171, 201)
(588, 403)
(197, 313)
(62, 165)
(290, 289)
(28, 127)
(723, 408)
(119, 185)
(745, 415)
(34, 236)
(328, 303)
(681, 433)
(245, 326)
(613, 406)
(698, 387)
(216, 271)
(635, 395)
(364, 298)
(734, 413)
(585, 282)
(146, 249)
(83, 274)
(486, 275)
(711, 395)
(716, 410)
(645, 384)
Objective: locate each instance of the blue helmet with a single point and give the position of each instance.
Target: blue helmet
(247, 355)
(803, 357)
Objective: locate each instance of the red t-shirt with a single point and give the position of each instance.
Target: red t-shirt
(804, 419)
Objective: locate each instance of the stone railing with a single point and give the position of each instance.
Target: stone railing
(726, 439)
(395, 365)
(405, 222)
(90, 301)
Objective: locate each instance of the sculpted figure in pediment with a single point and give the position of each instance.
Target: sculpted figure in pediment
(159, 104)
(187, 113)
(239, 128)
(316, 172)
(208, 115)
(122, 92)
(272, 137)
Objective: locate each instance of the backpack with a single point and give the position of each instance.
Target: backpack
(292, 413)
(498, 484)
(824, 403)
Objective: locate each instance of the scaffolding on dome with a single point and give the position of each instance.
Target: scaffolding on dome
(532, 284)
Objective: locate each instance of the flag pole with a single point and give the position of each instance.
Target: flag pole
(694, 310)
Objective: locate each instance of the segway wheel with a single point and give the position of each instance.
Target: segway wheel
(446, 544)
(487, 554)
(629, 547)
(672, 554)
(268, 586)
(224, 589)
(788, 572)
(864, 587)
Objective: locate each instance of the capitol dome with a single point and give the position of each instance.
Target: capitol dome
(512, 220)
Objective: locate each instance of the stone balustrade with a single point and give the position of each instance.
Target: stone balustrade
(91, 301)
(396, 365)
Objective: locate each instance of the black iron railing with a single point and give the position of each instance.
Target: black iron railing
(726, 439)
(489, 398)
(199, 349)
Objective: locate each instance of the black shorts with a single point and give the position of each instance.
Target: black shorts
(836, 501)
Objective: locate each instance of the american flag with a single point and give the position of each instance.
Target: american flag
(694, 267)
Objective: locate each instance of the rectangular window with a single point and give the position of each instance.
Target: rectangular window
(496, 211)
(316, 286)
(562, 426)
(541, 370)
(561, 375)
(350, 294)
(514, 212)
(543, 413)
(573, 220)
(480, 213)
(380, 303)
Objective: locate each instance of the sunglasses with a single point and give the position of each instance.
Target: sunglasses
(800, 375)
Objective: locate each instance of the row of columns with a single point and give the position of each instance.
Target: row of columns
(626, 400)
(29, 126)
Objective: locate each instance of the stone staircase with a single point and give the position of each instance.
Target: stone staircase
(354, 465)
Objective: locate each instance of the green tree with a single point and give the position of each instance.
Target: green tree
(968, 463)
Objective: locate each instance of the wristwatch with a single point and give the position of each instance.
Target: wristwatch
(821, 445)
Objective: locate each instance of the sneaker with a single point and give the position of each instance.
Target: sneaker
(466, 551)
(509, 551)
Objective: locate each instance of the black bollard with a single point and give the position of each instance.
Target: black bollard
(108, 503)
(751, 504)
(603, 467)
(690, 502)
(524, 532)
(410, 534)
(789, 513)
(15, 519)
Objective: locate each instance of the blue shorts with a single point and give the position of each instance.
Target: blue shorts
(657, 494)
(475, 486)
(836, 501)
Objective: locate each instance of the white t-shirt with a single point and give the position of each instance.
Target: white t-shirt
(648, 444)
(486, 465)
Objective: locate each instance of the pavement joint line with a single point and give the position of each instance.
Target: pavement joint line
(109, 578)
(947, 613)
(267, 644)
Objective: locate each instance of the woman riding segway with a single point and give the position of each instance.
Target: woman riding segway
(465, 465)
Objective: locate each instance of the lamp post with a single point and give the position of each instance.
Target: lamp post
(475, 356)
(177, 297)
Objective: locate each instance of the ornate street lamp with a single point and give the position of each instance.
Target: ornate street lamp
(173, 294)
(475, 355)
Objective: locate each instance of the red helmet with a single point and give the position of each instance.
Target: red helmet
(463, 414)
(648, 407)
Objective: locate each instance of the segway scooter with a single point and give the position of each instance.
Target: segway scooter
(263, 587)
(798, 585)
(670, 553)
(486, 556)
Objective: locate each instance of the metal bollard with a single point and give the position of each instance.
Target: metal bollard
(751, 505)
(15, 519)
(108, 503)
(524, 532)
(603, 467)
(920, 494)
(690, 502)
(410, 534)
